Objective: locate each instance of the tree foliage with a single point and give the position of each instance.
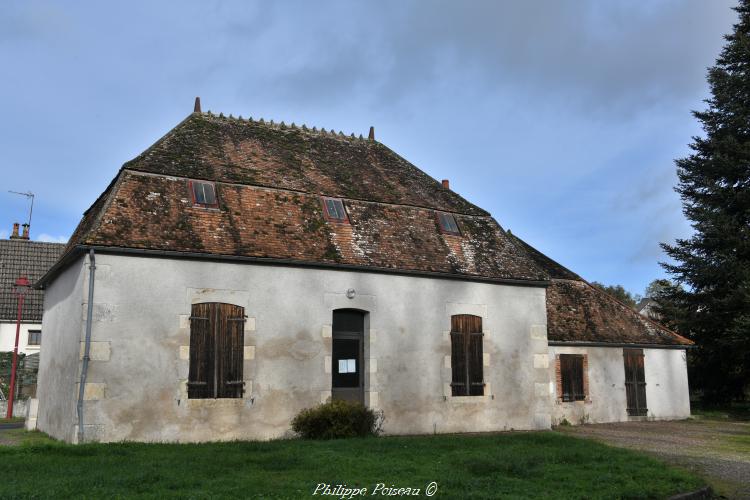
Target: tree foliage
(714, 263)
(619, 292)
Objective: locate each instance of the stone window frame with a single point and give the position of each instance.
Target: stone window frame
(238, 297)
(456, 308)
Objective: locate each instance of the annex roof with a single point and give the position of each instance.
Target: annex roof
(579, 312)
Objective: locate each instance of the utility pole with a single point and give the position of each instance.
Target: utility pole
(21, 287)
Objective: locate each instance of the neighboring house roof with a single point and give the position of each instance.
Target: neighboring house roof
(24, 258)
(579, 312)
(269, 182)
(644, 304)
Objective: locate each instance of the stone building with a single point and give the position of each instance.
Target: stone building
(245, 270)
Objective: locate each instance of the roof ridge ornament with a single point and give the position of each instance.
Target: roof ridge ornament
(371, 135)
(197, 105)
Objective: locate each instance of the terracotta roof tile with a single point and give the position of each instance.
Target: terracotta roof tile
(155, 212)
(269, 183)
(579, 312)
(229, 150)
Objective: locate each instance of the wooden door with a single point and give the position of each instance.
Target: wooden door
(635, 382)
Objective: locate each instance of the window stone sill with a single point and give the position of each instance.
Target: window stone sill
(469, 399)
(217, 403)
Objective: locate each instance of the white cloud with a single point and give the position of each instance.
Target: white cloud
(51, 239)
(3, 234)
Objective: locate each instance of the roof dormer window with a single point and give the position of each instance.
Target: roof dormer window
(448, 224)
(334, 210)
(203, 193)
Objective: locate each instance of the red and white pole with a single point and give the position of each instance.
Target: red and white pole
(22, 285)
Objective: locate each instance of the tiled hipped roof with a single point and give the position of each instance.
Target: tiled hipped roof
(24, 258)
(269, 182)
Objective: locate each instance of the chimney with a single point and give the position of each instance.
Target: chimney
(372, 134)
(14, 234)
(197, 107)
(25, 235)
(446, 184)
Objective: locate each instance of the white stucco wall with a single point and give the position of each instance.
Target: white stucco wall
(667, 394)
(136, 383)
(62, 329)
(8, 337)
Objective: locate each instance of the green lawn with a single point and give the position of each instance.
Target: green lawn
(511, 465)
(736, 411)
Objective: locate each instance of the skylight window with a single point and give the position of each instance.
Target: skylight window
(204, 193)
(448, 224)
(334, 210)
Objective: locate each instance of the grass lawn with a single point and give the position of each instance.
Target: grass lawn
(737, 411)
(512, 465)
(14, 420)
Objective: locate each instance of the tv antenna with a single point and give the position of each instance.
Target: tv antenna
(30, 196)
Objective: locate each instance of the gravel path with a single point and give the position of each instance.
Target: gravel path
(718, 450)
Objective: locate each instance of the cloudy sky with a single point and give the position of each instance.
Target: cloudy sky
(561, 117)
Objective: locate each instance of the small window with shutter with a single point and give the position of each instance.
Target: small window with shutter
(571, 374)
(203, 194)
(447, 224)
(216, 351)
(333, 208)
(467, 355)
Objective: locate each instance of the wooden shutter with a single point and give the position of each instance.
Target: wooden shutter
(567, 377)
(229, 341)
(571, 371)
(216, 351)
(635, 382)
(458, 364)
(201, 374)
(467, 362)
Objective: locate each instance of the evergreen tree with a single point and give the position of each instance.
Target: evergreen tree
(714, 264)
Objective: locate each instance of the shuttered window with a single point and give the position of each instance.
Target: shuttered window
(466, 355)
(203, 194)
(333, 208)
(447, 224)
(216, 351)
(571, 371)
(635, 382)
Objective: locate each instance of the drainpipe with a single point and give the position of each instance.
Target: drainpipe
(87, 344)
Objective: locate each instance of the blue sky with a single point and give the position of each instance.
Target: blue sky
(561, 117)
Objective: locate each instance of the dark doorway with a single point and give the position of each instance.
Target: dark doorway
(635, 382)
(347, 368)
